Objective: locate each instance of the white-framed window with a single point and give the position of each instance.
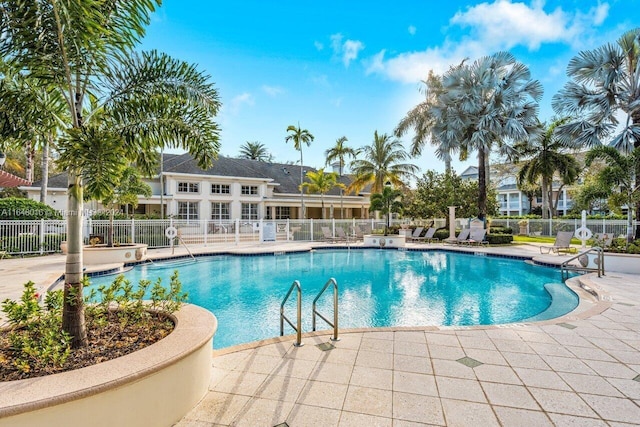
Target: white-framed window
(249, 190)
(220, 189)
(188, 187)
(188, 210)
(220, 211)
(249, 211)
(283, 212)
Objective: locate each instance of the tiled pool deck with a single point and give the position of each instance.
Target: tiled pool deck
(580, 370)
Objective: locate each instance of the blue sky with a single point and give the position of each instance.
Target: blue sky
(348, 68)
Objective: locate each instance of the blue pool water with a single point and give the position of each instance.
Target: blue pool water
(377, 288)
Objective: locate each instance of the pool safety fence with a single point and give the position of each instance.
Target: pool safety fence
(45, 236)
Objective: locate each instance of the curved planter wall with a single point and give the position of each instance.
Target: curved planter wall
(155, 386)
(93, 255)
(392, 241)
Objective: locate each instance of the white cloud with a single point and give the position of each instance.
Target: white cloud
(238, 101)
(487, 28)
(318, 45)
(272, 91)
(347, 51)
(412, 30)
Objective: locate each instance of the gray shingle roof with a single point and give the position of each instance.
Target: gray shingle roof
(286, 175)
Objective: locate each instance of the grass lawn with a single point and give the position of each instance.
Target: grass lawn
(540, 239)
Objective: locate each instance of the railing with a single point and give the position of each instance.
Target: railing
(566, 267)
(298, 328)
(334, 325)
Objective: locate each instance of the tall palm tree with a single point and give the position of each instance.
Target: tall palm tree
(421, 120)
(122, 106)
(382, 161)
(254, 151)
(605, 85)
(340, 152)
(299, 137)
(618, 177)
(321, 182)
(545, 156)
(485, 106)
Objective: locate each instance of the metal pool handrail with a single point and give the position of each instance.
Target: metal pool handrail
(334, 325)
(295, 285)
(565, 268)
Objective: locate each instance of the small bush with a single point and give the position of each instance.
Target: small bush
(441, 233)
(499, 239)
(499, 229)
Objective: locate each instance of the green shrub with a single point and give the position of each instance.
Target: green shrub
(499, 239)
(26, 209)
(441, 233)
(499, 229)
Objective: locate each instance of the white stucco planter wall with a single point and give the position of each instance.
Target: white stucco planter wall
(618, 263)
(100, 254)
(155, 386)
(393, 241)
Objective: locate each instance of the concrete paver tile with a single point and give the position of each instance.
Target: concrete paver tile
(420, 365)
(372, 377)
(514, 417)
(410, 336)
(613, 408)
(312, 416)
(451, 368)
(509, 395)
(280, 388)
(263, 412)
(375, 359)
(541, 378)
(411, 348)
(378, 345)
(609, 369)
(462, 413)
(525, 360)
(410, 382)
(352, 419)
(460, 389)
(371, 401)
(331, 373)
(326, 395)
(560, 420)
(592, 384)
(416, 408)
(237, 382)
(221, 408)
(562, 402)
(496, 373)
(445, 352)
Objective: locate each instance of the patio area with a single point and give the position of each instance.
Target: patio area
(579, 370)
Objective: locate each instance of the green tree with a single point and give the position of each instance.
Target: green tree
(485, 106)
(545, 157)
(254, 151)
(340, 152)
(299, 137)
(129, 187)
(618, 176)
(122, 106)
(421, 120)
(604, 86)
(435, 192)
(382, 161)
(387, 202)
(321, 183)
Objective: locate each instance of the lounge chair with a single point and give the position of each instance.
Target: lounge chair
(341, 235)
(462, 237)
(562, 243)
(476, 237)
(327, 236)
(357, 232)
(428, 236)
(415, 236)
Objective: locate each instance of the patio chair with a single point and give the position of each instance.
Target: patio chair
(562, 243)
(357, 232)
(416, 234)
(428, 236)
(477, 237)
(341, 235)
(462, 237)
(327, 236)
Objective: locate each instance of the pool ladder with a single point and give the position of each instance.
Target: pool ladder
(566, 267)
(298, 326)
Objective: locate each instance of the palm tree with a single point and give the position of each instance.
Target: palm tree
(387, 202)
(299, 137)
(339, 152)
(421, 120)
(381, 162)
(618, 177)
(122, 105)
(254, 151)
(546, 156)
(321, 183)
(485, 106)
(605, 85)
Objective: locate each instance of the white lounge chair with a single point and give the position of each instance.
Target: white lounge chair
(461, 238)
(562, 243)
(415, 236)
(428, 236)
(477, 237)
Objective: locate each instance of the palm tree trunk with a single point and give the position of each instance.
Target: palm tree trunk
(341, 205)
(45, 168)
(302, 213)
(73, 312)
(30, 155)
(545, 198)
(482, 185)
(635, 117)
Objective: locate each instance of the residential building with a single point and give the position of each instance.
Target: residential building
(231, 189)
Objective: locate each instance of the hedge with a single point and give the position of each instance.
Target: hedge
(14, 208)
(499, 239)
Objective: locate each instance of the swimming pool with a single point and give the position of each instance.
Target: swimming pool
(376, 288)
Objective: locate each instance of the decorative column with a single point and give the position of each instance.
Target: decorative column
(452, 223)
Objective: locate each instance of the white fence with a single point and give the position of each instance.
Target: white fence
(45, 236)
